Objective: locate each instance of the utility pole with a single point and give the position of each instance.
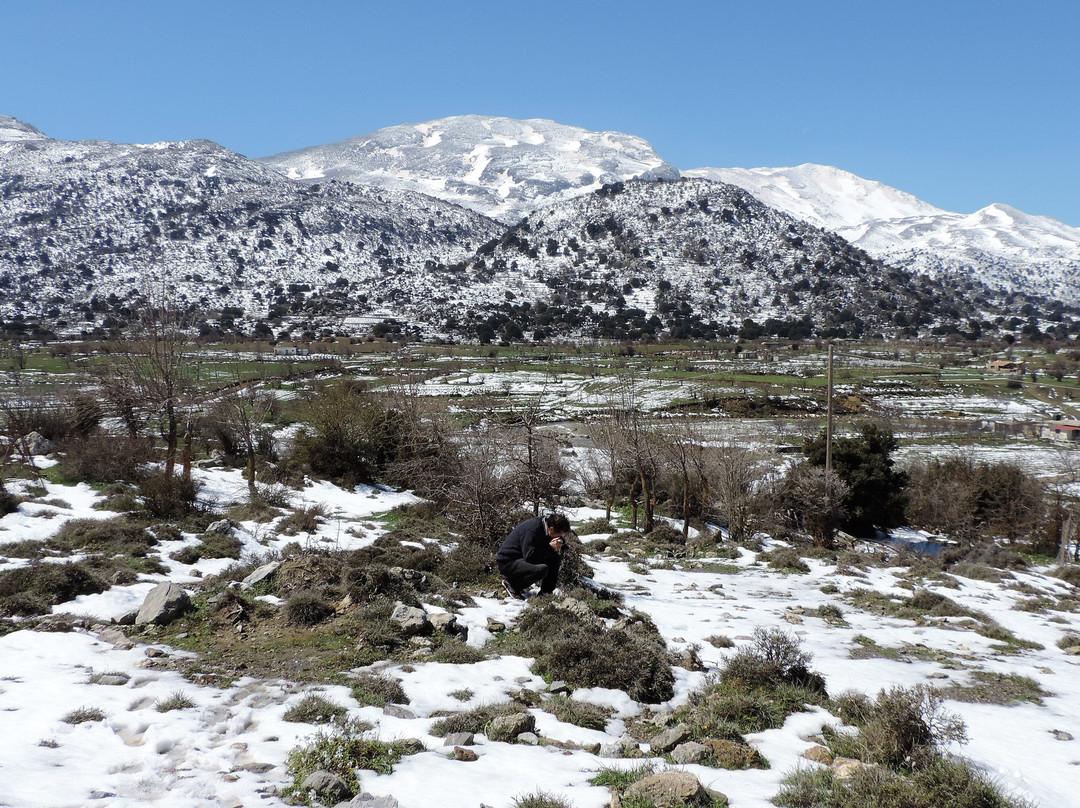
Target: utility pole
(829, 417)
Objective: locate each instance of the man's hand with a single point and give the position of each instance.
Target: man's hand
(556, 544)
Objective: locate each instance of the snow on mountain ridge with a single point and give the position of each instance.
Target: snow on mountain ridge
(1002, 246)
(501, 167)
(12, 129)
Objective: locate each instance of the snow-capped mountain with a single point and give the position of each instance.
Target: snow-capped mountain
(96, 219)
(500, 167)
(999, 245)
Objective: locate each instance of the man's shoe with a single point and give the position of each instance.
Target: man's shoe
(511, 591)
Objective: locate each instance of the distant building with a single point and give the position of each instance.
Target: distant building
(291, 351)
(1063, 431)
(1005, 366)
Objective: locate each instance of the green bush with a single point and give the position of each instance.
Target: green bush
(630, 657)
(36, 588)
(579, 713)
(83, 715)
(343, 749)
(307, 608)
(475, 720)
(168, 496)
(378, 690)
(541, 799)
(944, 782)
(176, 701)
(118, 536)
(1070, 574)
(304, 520)
(314, 709)
(774, 658)
(785, 559)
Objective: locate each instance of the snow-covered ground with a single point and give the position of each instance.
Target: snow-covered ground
(230, 748)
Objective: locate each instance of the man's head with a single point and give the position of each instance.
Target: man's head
(557, 525)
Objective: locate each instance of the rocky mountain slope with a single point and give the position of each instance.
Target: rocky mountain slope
(91, 226)
(500, 167)
(698, 257)
(92, 219)
(1001, 246)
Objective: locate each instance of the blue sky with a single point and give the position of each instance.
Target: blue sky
(961, 103)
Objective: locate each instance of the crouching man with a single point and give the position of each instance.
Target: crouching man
(532, 552)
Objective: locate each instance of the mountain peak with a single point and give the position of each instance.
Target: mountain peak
(502, 167)
(14, 129)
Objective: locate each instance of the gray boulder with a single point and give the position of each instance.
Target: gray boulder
(326, 784)
(689, 752)
(163, 604)
(507, 727)
(259, 574)
(460, 739)
(672, 789)
(624, 747)
(409, 619)
(448, 624)
(221, 527)
(34, 443)
(366, 800)
(669, 739)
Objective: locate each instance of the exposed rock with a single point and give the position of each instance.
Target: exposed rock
(558, 686)
(734, 755)
(624, 747)
(689, 752)
(461, 753)
(154, 653)
(578, 609)
(448, 623)
(366, 800)
(819, 754)
(112, 635)
(259, 574)
(688, 659)
(326, 784)
(34, 443)
(1061, 735)
(671, 789)
(409, 619)
(222, 527)
(511, 726)
(412, 746)
(163, 604)
(529, 738)
(844, 768)
(115, 679)
(460, 739)
(495, 625)
(669, 739)
(1072, 650)
(397, 711)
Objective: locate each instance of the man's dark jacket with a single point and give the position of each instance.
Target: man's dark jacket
(529, 542)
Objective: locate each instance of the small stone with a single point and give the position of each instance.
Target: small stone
(511, 726)
(668, 740)
(258, 768)
(1061, 735)
(397, 711)
(529, 738)
(154, 653)
(819, 754)
(101, 795)
(164, 603)
(220, 527)
(460, 739)
(325, 784)
(937, 675)
(112, 635)
(410, 620)
(259, 574)
(495, 625)
(844, 768)
(558, 686)
(463, 754)
(1073, 650)
(116, 679)
(689, 752)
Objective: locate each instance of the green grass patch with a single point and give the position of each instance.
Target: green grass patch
(997, 688)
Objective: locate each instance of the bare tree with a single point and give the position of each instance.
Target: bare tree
(242, 419)
(535, 457)
(736, 474)
(152, 372)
